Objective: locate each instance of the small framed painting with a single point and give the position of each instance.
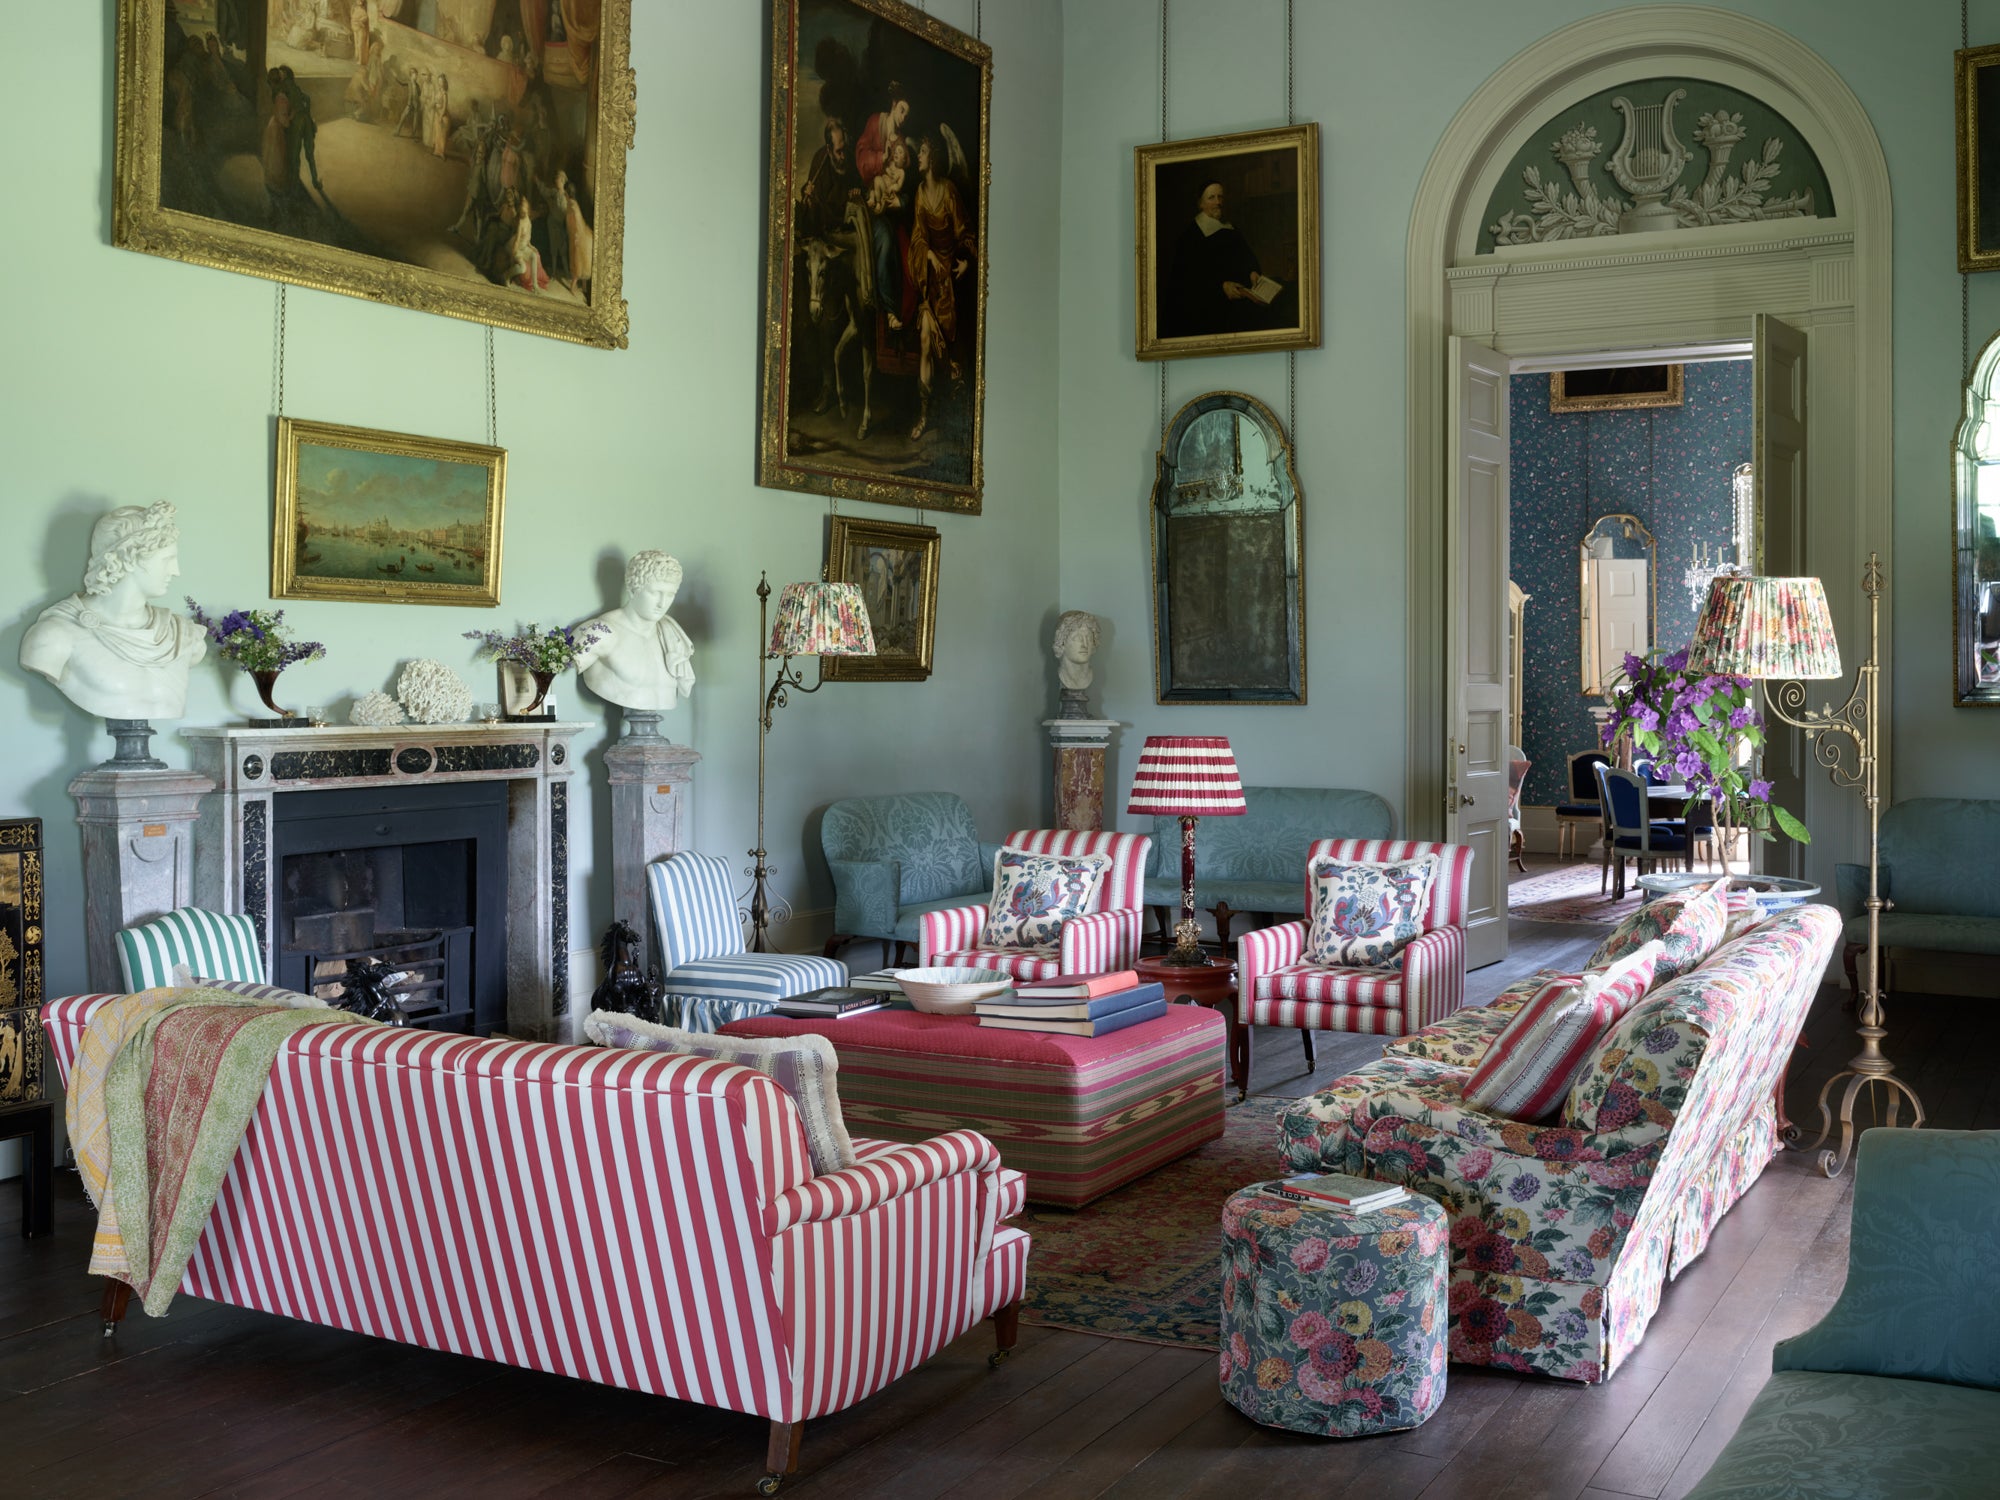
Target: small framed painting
(896, 568)
(1624, 388)
(385, 517)
(1978, 101)
(1228, 250)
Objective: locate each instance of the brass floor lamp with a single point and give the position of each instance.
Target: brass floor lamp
(1780, 628)
(814, 619)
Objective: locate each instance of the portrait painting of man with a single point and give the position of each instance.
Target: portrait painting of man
(896, 568)
(876, 294)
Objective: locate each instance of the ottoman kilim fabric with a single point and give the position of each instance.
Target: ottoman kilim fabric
(1078, 1116)
(1333, 1323)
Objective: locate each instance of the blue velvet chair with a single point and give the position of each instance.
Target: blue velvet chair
(1629, 832)
(710, 979)
(895, 858)
(1585, 806)
(1896, 1391)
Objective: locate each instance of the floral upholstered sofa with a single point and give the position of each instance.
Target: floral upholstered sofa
(1564, 1232)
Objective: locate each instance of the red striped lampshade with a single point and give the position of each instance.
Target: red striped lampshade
(1179, 774)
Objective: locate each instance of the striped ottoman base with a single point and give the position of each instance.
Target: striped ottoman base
(1077, 1116)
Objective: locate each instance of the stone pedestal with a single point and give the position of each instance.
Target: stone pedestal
(138, 855)
(650, 779)
(1079, 746)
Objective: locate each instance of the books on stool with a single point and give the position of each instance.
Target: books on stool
(1075, 1005)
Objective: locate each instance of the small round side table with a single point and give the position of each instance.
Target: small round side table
(1211, 984)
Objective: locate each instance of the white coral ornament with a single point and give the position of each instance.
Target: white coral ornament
(432, 693)
(376, 711)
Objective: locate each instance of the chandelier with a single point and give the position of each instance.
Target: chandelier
(1703, 569)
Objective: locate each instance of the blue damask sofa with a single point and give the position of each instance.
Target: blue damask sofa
(1941, 874)
(894, 858)
(1250, 865)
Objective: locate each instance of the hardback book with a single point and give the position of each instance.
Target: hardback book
(1008, 1008)
(882, 981)
(1265, 291)
(1102, 1026)
(1344, 1190)
(1078, 986)
(834, 1000)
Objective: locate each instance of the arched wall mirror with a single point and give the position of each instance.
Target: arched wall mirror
(1620, 595)
(1976, 537)
(1228, 558)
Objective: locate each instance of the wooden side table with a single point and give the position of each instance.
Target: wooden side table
(36, 1121)
(1213, 985)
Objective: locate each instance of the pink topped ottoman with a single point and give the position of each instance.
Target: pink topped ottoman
(1078, 1116)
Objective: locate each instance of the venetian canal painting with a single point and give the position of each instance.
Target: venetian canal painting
(386, 516)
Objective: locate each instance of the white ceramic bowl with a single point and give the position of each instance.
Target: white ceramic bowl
(952, 992)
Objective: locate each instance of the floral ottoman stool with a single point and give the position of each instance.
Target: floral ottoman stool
(1333, 1322)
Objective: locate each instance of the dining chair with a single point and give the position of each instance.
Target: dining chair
(1630, 832)
(1517, 776)
(1585, 807)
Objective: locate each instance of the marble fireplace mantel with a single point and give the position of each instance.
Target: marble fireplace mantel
(233, 865)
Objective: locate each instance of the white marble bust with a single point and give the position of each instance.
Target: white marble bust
(107, 649)
(642, 660)
(1076, 639)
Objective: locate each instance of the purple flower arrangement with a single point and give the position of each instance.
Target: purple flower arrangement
(254, 639)
(1696, 725)
(536, 649)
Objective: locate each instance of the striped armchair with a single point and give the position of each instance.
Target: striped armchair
(211, 945)
(1278, 986)
(1107, 937)
(709, 977)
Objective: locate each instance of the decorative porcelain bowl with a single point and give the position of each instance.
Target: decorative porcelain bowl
(952, 992)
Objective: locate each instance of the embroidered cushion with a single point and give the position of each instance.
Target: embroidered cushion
(1527, 1071)
(1035, 894)
(1365, 915)
(803, 1066)
(1688, 924)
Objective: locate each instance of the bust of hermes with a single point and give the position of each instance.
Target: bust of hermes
(107, 649)
(1076, 640)
(641, 659)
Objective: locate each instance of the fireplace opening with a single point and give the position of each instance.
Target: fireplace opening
(413, 876)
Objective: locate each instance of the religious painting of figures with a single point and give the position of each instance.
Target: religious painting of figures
(1978, 108)
(896, 568)
(464, 157)
(874, 362)
(1228, 252)
(20, 960)
(385, 517)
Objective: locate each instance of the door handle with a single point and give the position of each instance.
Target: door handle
(1464, 801)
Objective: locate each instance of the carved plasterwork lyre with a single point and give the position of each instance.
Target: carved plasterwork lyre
(1648, 162)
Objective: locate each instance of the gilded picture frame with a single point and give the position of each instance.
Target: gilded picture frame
(895, 566)
(254, 141)
(1617, 388)
(873, 377)
(1976, 95)
(386, 517)
(1220, 221)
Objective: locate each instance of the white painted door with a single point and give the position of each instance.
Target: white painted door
(1619, 599)
(1778, 451)
(1476, 510)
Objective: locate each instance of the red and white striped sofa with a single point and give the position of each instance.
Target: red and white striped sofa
(637, 1219)
(1105, 937)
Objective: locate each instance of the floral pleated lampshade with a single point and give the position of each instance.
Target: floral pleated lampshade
(1765, 627)
(1183, 774)
(821, 619)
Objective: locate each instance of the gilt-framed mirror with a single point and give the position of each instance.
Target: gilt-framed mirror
(1976, 538)
(1229, 613)
(1619, 600)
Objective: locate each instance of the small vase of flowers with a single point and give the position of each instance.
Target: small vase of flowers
(538, 652)
(255, 640)
(1700, 726)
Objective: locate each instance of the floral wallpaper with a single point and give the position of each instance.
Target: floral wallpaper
(1670, 467)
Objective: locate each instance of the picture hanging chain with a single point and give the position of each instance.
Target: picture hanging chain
(1964, 280)
(1163, 141)
(492, 395)
(1292, 356)
(979, 20)
(278, 356)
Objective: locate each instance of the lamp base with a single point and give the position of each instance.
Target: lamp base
(1832, 1162)
(1187, 950)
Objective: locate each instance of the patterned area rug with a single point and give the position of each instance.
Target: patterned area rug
(1570, 894)
(1145, 1262)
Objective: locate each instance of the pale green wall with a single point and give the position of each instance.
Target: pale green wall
(129, 378)
(1383, 81)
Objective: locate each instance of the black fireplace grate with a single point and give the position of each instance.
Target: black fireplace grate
(432, 991)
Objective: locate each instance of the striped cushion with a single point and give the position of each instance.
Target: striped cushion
(1527, 1072)
(694, 908)
(1310, 981)
(755, 976)
(225, 947)
(270, 994)
(1021, 963)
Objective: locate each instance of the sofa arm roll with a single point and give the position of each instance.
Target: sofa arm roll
(1102, 941)
(866, 896)
(1433, 977)
(951, 931)
(888, 1174)
(1262, 951)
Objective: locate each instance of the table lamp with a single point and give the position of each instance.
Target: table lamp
(1187, 776)
(1779, 628)
(814, 619)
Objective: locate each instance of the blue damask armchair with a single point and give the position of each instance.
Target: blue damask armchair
(894, 858)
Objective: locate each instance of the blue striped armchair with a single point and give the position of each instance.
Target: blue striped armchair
(710, 979)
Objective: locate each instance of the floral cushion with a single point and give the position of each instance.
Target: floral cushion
(1364, 915)
(1462, 1037)
(1035, 894)
(1689, 924)
(1527, 1072)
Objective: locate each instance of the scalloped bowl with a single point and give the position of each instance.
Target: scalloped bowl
(952, 992)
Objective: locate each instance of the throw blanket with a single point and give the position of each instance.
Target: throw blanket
(164, 1086)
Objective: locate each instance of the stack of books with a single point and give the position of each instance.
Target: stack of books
(1358, 1195)
(833, 1000)
(1075, 1004)
(883, 980)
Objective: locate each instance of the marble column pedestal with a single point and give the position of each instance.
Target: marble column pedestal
(1079, 746)
(650, 782)
(138, 855)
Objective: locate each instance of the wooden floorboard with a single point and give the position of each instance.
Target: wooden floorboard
(214, 1401)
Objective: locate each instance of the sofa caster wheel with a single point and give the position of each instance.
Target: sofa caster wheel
(110, 1329)
(997, 1358)
(768, 1485)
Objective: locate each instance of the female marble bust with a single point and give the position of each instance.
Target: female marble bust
(641, 659)
(107, 649)
(1076, 640)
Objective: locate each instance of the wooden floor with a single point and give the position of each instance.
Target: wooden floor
(213, 1401)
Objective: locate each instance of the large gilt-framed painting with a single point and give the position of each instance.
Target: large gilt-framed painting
(1228, 243)
(874, 363)
(464, 157)
(21, 1043)
(385, 517)
(896, 568)
(1977, 98)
